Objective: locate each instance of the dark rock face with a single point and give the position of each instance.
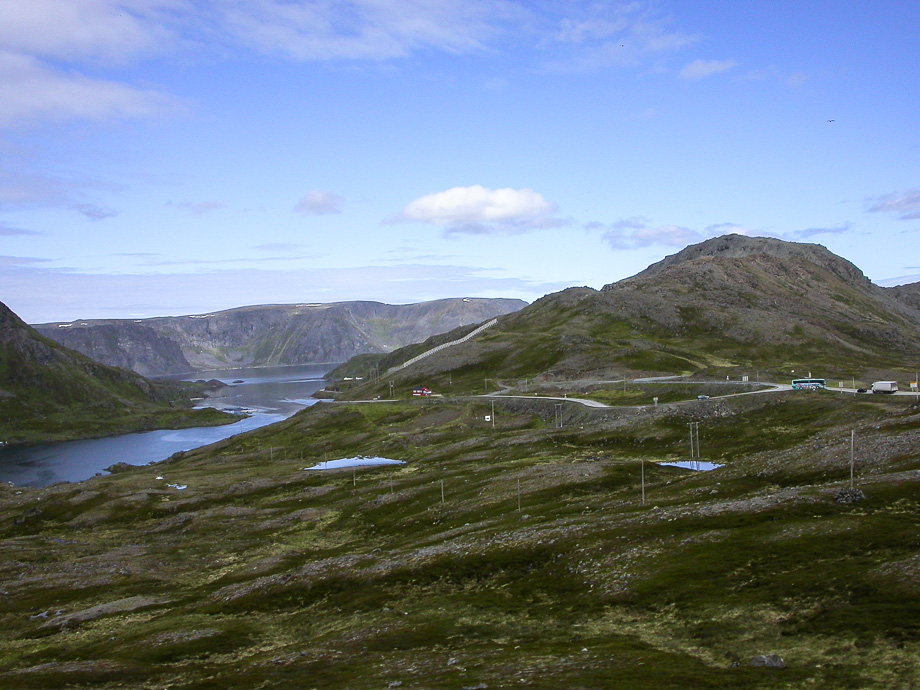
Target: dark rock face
(129, 345)
(269, 335)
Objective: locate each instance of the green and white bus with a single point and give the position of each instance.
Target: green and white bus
(809, 384)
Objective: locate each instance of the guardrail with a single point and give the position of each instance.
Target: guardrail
(442, 346)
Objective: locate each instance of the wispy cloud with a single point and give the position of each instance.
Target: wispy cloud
(808, 233)
(197, 208)
(699, 69)
(31, 90)
(477, 210)
(102, 31)
(66, 59)
(593, 36)
(361, 29)
(899, 280)
(635, 233)
(52, 51)
(726, 229)
(279, 247)
(9, 231)
(21, 261)
(42, 295)
(318, 203)
(94, 212)
(905, 205)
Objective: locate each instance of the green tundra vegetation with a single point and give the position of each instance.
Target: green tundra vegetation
(730, 306)
(513, 555)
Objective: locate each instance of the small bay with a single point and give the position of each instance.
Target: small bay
(266, 394)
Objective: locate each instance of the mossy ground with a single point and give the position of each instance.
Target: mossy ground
(514, 556)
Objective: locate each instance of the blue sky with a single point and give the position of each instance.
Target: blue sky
(172, 157)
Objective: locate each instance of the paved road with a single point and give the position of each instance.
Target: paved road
(772, 388)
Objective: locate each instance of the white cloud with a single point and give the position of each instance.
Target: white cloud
(31, 90)
(478, 210)
(699, 69)
(905, 205)
(318, 203)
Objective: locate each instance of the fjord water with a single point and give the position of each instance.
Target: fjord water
(270, 394)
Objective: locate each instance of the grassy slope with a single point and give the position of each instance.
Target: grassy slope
(263, 575)
(52, 393)
(711, 315)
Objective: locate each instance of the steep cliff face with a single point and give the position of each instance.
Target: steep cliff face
(128, 345)
(269, 335)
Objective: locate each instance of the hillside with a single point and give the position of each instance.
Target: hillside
(733, 305)
(269, 335)
(519, 555)
(50, 392)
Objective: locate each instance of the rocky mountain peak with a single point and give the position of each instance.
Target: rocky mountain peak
(743, 247)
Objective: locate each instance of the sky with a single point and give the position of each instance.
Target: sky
(166, 157)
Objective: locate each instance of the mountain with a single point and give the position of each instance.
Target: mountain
(268, 335)
(49, 392)
(731, 303)
(908, 294)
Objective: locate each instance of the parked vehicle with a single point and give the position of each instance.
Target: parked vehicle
(809, 384)
(422, 391)
(885, 387)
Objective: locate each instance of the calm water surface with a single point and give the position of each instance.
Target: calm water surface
(268, 394)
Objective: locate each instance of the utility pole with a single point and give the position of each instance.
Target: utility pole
(643, 481)
(391, 389)
(493, 414)
(442, 492)
(852, 454)
(558, 408)
(519, 495)
(694, 441)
